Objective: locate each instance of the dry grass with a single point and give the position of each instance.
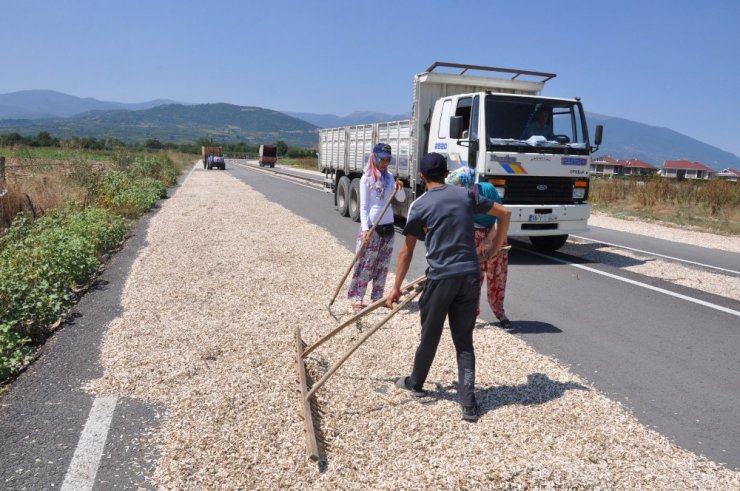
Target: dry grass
(37, 185)
(712, 206)
(209, 311)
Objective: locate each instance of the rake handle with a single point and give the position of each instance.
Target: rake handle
(370, 308)
(372, 331)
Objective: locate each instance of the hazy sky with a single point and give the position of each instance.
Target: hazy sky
(665, 63)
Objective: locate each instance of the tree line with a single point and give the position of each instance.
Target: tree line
(44, 139)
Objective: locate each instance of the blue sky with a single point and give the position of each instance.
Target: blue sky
(665, 63)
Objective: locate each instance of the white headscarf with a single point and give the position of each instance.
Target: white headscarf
(376, 178)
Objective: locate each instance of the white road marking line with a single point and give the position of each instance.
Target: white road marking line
(659, 255)
(637, 283)
(86, 459)
(285, 177)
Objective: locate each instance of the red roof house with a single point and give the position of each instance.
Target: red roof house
(605, 165)
(609, 166)
(683, 169)
(636, 167)
(729, 174)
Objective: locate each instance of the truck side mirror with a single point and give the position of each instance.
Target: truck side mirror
(456, 125)
(597, 136)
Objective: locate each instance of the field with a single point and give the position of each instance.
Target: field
(712, 206)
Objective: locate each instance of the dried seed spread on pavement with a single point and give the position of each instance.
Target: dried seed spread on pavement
(207, 332)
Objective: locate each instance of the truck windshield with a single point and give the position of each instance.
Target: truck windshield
(550, 125)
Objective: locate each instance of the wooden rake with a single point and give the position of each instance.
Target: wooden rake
(308, 401)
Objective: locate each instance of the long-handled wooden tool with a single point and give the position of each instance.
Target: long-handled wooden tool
(370, 308)
(359, 252)
(308, 401)
(410, 296)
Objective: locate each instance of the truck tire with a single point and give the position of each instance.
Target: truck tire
(343, 195)
(354, 200)
(548, 243)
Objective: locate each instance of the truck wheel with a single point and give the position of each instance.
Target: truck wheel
(343, 195)
(354, 200)
(548, 243)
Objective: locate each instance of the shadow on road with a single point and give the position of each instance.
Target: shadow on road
(538, 389)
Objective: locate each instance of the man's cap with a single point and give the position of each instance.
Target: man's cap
(383, 150)
(433, 164)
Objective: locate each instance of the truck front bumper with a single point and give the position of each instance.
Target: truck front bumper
(528, 220)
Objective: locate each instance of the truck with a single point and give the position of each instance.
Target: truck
(268, 155)
(480, 120)
(212, 157)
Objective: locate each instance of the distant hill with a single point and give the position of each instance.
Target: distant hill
(625, 139)
(357, 117)
(176, 123)
(36, 104)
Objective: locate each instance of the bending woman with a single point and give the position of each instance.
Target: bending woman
(494, 271)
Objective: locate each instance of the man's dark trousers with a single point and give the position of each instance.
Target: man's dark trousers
(458, 298)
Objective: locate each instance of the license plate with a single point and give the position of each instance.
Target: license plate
(545, 217)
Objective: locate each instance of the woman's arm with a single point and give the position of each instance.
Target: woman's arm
(364, 204)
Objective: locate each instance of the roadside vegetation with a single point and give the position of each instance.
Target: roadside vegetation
(712, 206)
(62, 211)
(307, 163)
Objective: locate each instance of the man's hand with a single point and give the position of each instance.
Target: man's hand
(484, 249)
(398, 185)
(393, 297)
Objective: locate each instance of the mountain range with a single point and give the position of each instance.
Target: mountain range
(36, 104)
(32, 111)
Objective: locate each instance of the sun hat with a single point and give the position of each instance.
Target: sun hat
(382, 150)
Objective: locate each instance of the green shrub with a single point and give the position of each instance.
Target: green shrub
(129, 197)
(159, 167)
(41, 264)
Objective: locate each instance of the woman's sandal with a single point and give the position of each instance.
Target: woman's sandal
(357, 307)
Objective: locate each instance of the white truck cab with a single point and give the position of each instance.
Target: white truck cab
(535, 150)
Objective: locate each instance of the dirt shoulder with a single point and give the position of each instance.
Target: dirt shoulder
(667, 232)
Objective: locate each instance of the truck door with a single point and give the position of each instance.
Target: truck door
(460, 154)
(473, 135)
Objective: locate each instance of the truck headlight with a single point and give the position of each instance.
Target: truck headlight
(580, 187)
(500, 185)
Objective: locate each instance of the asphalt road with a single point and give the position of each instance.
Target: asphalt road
(674, 363)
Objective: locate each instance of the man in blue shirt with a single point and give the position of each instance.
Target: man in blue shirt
(443, 218)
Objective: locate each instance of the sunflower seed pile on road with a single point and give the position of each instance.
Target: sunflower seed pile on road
(207, 332)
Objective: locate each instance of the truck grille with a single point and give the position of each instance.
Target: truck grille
(539, 190)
